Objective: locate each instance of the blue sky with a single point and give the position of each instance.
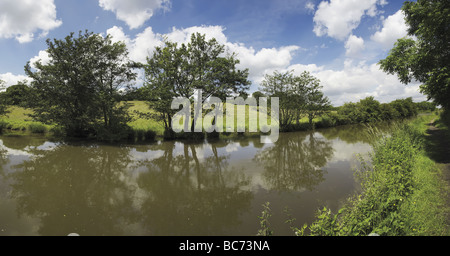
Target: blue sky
(338, 41)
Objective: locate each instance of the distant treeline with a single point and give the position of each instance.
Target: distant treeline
(370, 110)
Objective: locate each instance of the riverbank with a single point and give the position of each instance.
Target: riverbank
(403, 189)
(144, 128)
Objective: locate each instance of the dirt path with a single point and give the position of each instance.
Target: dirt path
(438, 149)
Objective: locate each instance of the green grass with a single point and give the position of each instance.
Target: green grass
(402, 191)
(17, 119)
(139, 124)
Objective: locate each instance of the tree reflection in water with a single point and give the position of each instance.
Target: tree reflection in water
(77, 189)
(187, 195)
(294, 162)
(90, 190)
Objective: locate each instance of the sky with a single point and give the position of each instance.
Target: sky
(338, 41)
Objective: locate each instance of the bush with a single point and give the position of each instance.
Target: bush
(3, 125)
(139, 134)
(37, 128)
(328, 120)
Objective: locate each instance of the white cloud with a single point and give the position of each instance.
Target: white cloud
(356, 81)
(134, 12)
(42, 57)
(11, 79)
(21, 19)
(310, 7)
(394, 27)
(354, 46)
(338, 18)
(184, 35)
(259, 62)
(141, 46)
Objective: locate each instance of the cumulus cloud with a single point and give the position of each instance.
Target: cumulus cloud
(134, 12)
(357, 80)
(42, 57)
(11, 79)
(139, 47)
(354, 46)
(394, 27)
(338, 18)
(22, 19)
(259, 62)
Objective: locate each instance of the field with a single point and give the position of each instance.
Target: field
(18, 119)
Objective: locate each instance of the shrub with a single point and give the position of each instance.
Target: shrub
(37, 128)
(3, 125)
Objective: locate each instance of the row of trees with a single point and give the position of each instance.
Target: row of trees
(370, 110)
(80, 88)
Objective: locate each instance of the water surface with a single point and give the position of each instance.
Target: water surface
(174, 188)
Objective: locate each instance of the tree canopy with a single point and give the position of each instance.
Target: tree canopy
(178, 70)
(78, 89)
(298, 95)
(424, 56)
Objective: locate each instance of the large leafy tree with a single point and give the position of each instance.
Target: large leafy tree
(291, 94)
(298, 95)
(178, 70)
(425, 55)
(78, 88)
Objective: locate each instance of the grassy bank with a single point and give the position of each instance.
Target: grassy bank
(18, 119)
(402, 191)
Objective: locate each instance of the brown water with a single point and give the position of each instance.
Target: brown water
(174, 188)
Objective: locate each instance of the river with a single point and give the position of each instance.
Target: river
(175, 188)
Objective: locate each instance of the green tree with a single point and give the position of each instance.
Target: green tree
(316, 102)
(178, 70)
(370, 109)
(298, 95)
(79, 87)
(3, 103)
(425, 56)
(17, 94)
(258, 95)
(282, 85)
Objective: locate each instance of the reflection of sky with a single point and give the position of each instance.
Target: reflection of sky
(344, 151)
(14, 152)
(338, 180)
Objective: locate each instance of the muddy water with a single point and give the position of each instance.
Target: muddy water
(174, 188)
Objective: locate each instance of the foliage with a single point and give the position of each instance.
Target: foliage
(316, 102)
(177, 71)
(79, 87)
(297, 95)
(424, 55)
(426, 106)
(3, 103)
(370, 110)
(400, 191)
(17, 95)
(264, 221)
(37, 127)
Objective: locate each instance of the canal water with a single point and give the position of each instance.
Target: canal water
(175, 188)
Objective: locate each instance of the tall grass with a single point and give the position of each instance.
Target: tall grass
(37, 128)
